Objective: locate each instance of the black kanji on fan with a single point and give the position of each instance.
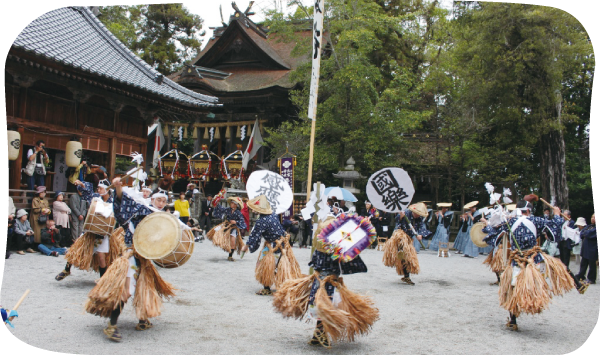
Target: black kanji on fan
(393, 196)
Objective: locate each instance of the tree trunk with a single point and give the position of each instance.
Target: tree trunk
(554, 169)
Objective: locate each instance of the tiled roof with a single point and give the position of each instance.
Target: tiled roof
(74, 37)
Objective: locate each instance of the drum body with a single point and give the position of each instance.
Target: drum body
(477, 234)
(181, 254)
(160, 238)
(96, 223)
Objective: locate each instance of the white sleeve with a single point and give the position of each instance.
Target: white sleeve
(29, 153)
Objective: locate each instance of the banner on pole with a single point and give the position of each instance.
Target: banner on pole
(286, 169)
(316, 57)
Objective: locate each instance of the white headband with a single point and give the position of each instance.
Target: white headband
(161, 193)
(104, 183)
(527, 206)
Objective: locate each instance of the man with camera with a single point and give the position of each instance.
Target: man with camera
(36, 165)
(51, 238)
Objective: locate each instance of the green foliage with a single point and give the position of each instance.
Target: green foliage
(368, 96)
(163, 35)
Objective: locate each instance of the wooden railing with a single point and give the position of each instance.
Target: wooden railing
(22, 198)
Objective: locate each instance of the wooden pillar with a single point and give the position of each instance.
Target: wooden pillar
(17, 165)
(112, 157)
(143, 151)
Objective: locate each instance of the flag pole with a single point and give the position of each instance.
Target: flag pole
(319, 7)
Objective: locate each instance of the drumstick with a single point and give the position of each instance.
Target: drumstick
(21, 300)
(549, 205)
(126, 176)
(414, 231)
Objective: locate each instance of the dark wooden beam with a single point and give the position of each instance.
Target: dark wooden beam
(87, 131)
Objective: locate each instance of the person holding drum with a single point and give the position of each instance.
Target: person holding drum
(232, 216)
(101, 243)
(131, 271)
(267, 226)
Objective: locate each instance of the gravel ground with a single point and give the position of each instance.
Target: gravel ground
(451, 309)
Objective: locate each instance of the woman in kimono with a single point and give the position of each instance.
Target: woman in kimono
(444, 219)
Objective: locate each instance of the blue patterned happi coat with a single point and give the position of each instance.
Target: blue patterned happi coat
(87, 193)
(268, 227)
(525, 237)
(226, 213)
(418, 222)
(129, 214)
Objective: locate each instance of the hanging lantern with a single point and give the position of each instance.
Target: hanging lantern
(205, 133)
(217, 133)
(227, 133)
(14, 144)
(73, 154)
(238, 133)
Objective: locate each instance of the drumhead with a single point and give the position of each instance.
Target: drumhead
(477, 234)
(157, 235)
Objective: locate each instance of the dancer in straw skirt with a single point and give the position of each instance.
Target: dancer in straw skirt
(340, 313)
(228, 235)
(523, 286)
(276, 262)
(93, 251)
(131, 274)
(398, 251)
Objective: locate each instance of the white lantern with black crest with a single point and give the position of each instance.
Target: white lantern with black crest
(14, 144)
(73, 154)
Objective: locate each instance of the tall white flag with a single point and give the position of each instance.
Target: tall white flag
(159, 141)
(316, 58)
(253, 145)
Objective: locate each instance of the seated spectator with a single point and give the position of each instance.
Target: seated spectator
(61, 211)
(51, 238)
(23, 236)
(11, 226)
(40, 213)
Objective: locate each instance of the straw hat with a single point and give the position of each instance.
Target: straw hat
(236, 200)
(511, 207)
(260, 204)
(471, 204)
(21, 213)
(419, 208)
(580, 221)
(444, 204)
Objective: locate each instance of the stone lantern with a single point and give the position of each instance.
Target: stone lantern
(349, 176)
